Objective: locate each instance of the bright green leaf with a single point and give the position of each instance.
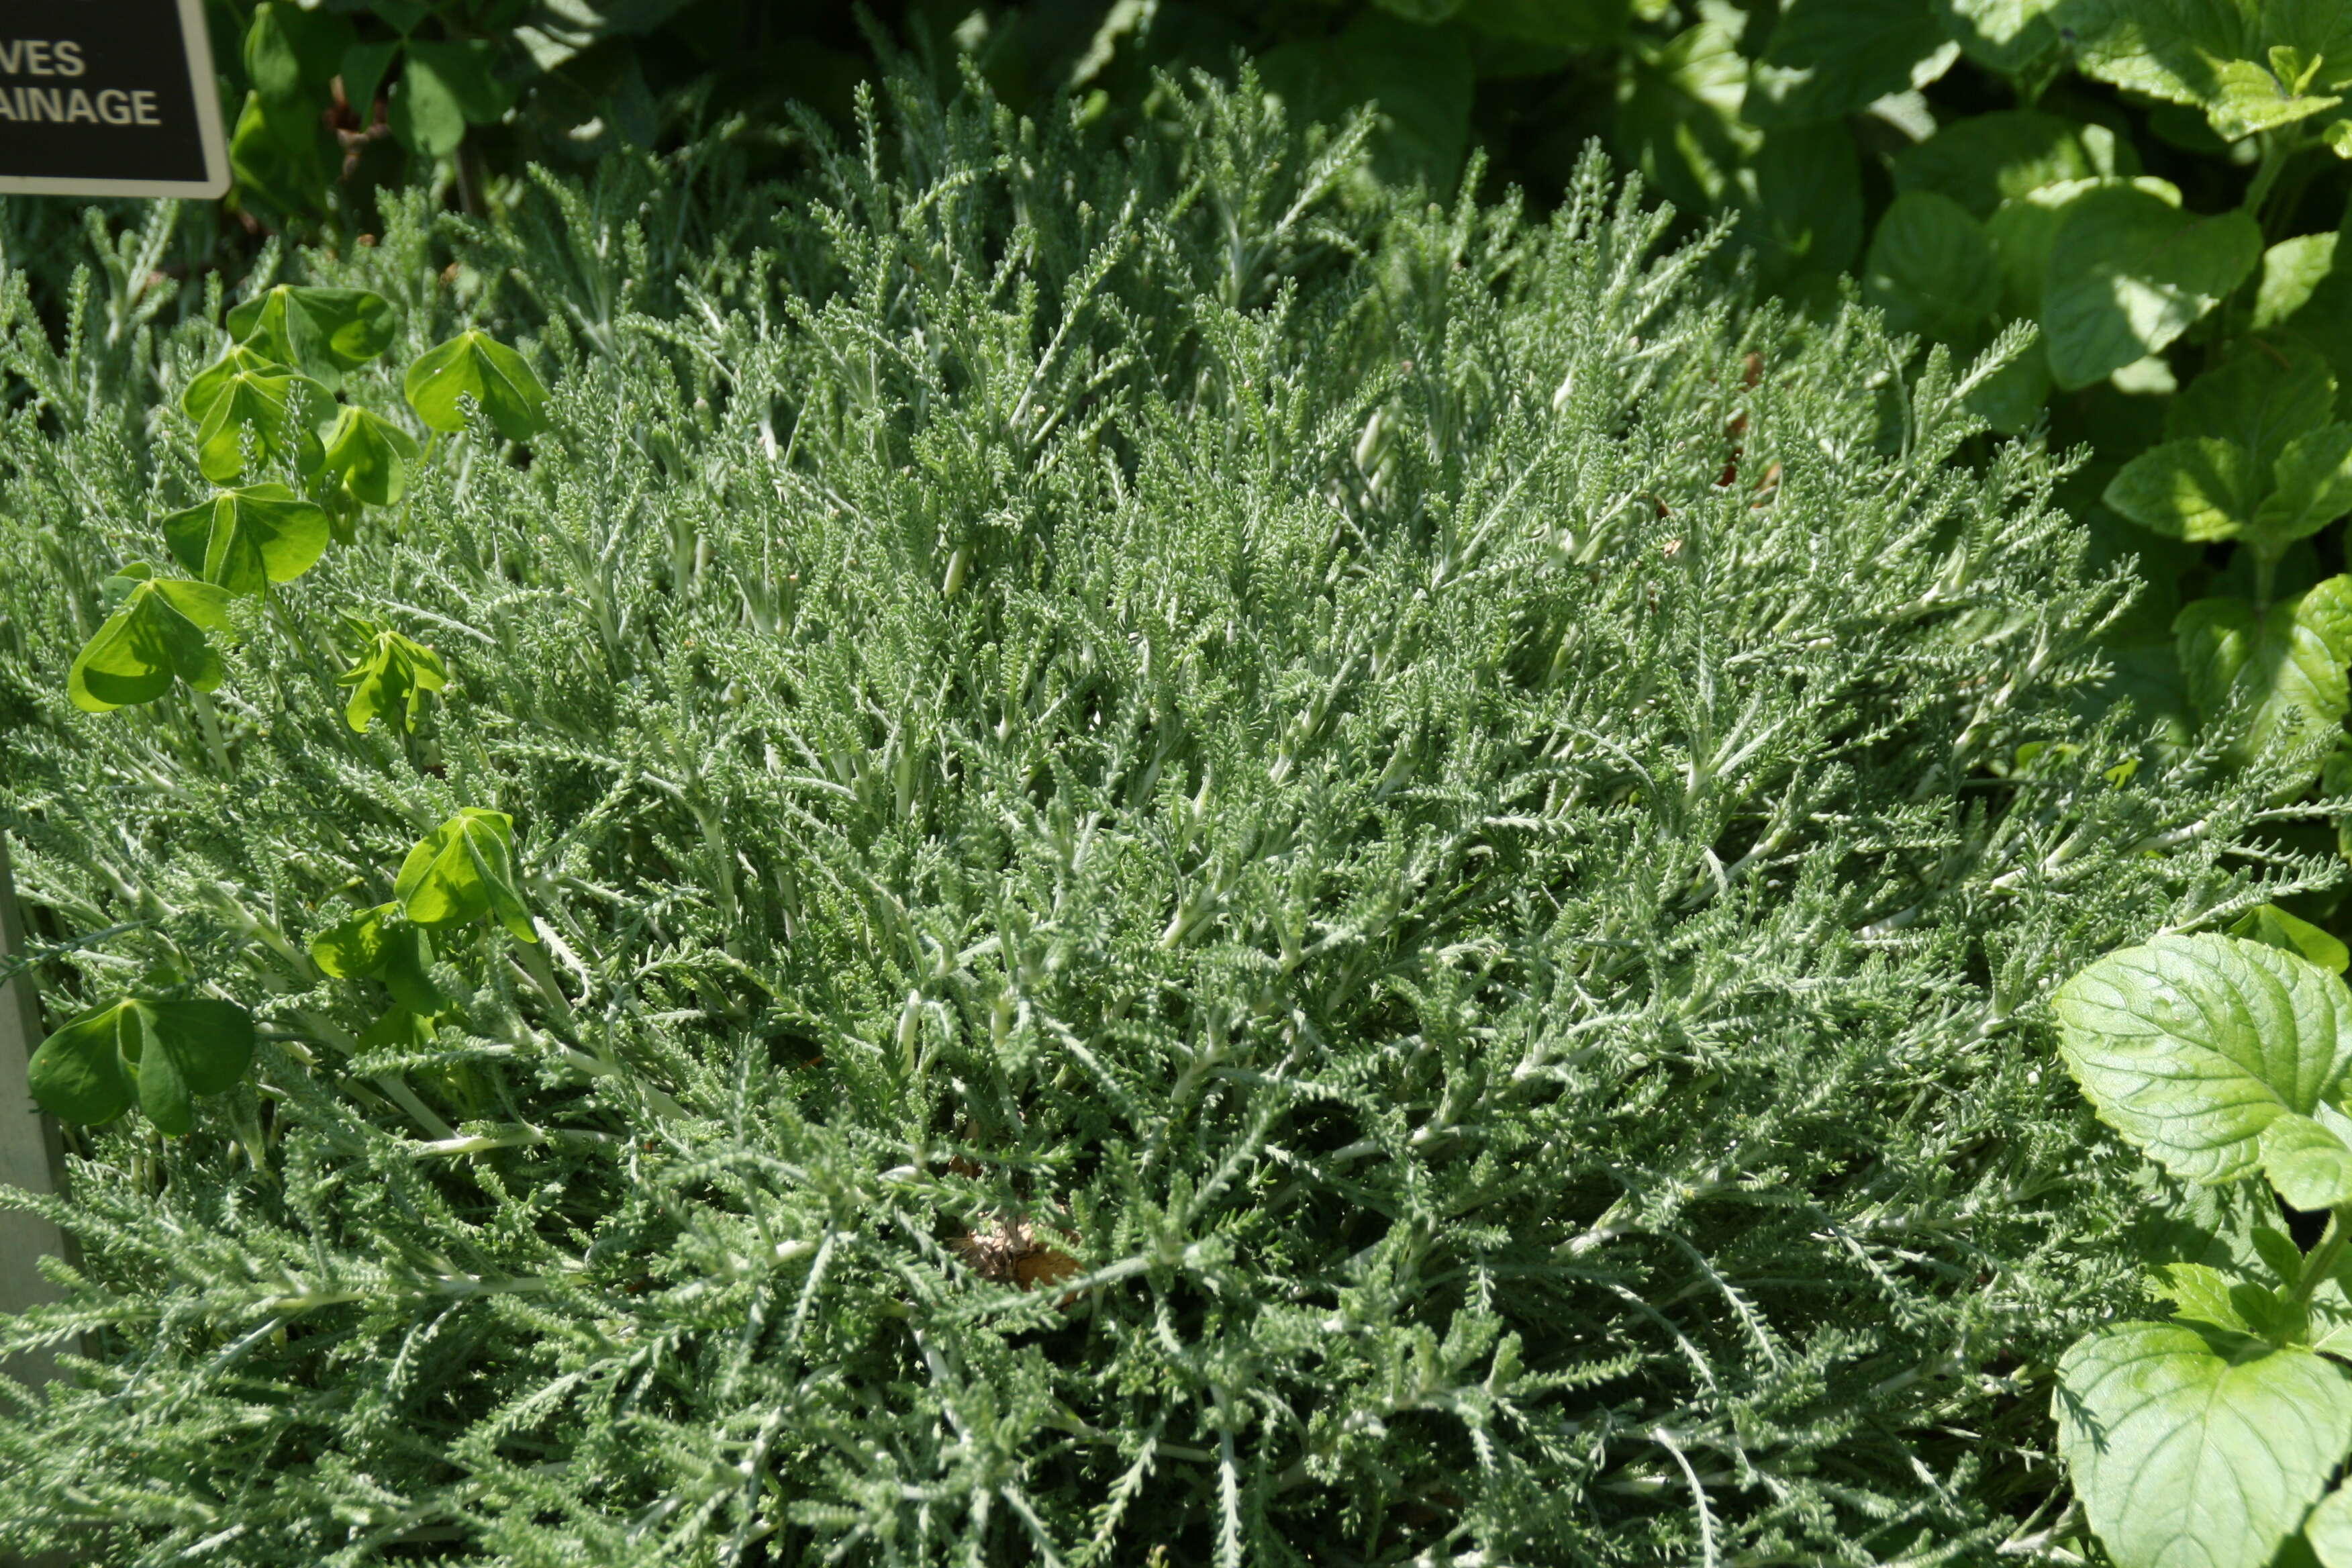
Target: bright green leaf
(475, 364)
(160, 1055)
(2171, 49)
(2264, 396)
(2185, 1457)
(156, 633)
(1930, 268)
(208, 385)
(322, 333)
(1825, 58)
(278, 152)
(463, 871)
(277, 405)
(2200, 490)
(2248, 100)
(371, 455)
(2292, 269)
(2329, 1527)
(393, 675)
(2312, 487)
(2129, 273)
(243, 540)
(2309, 1165)
(353, 947)
(2188, 1047)
(292, 52)
(2288, 660)
(2200, 1293)
(2269, 924)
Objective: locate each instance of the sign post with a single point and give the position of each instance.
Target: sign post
(108, 98)
(31, 1155)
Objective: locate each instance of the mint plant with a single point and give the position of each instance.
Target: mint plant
(2214, 1437)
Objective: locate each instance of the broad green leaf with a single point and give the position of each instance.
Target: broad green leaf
(2129, 273)
(277, 405)
(1421, 80)
(1825, 58)
(2312, 486)
(2199, 490)
(2171, 49)
(423, 111)
(463, 871)
(371, 454)
(2318, 30)
(2292, 269)
(2264, 396)
(2025, 228)
(2185, 1457)
(2188, 1047)
(393, 675)
(1983, 160)
(160, 1055)
(279, 152)
(2329, 1527)
(1678, 115)
(362, 72)
(156, 633)
(1800, 201)
(2200, 1293)
(408, 971)
(2271, 925)
(291, 52)
(464, 72)
(2289, 660)
(243, 540)
(1428, 13)
(320, 331)
(2248, 100)
(2309, 1165)
(1931, 270)
(475, 364)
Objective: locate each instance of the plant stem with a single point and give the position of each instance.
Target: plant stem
(2320, 1262)
(2275, 154)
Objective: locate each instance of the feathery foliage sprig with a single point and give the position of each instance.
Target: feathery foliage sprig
(1225, 862)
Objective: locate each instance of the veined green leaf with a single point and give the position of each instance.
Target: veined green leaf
(2265, 393)
(2171, 49)
(244, 539)
(2289, 659)
(159, 1054)
(475, 364)
(2292, 269)
(1828, 57)
(155, 634)
(2190, 1046)
(2199, 490)
(1984, 160)
(2185, 1457)
(1930, 268)
(2309, 1165)
(2312, 486)
(320, 331)
(2129, 273)
(462, 871)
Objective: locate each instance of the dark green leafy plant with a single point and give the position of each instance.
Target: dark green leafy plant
(1220, 860)
(2214, 1437)
(157, 1055)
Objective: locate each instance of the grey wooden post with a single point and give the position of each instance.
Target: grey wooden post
(31, 1155)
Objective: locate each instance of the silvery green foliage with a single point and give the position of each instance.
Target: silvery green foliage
(1145, 726)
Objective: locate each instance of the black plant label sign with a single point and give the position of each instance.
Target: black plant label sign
(108, 98)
